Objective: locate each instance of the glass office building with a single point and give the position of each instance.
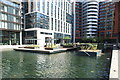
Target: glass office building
(10, 22)
(47, 19)
(37, 20)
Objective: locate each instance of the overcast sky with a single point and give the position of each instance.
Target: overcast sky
(88, 0)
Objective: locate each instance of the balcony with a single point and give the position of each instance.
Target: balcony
(91, 30)
(92, 17)
(92, 9)
(91, 27)
(88, 3)
(90, 6)
(92, 20)
(91, 33)
(92, 3)
(92, 23)
(92, 13)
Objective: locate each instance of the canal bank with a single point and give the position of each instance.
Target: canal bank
(9, 47)
(39, 50)
(119, 64)
(114, 64)
(70, 64)
(100, 64)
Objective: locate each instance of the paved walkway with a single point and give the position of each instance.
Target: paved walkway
(119, 64)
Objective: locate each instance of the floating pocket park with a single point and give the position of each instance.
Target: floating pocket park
(85, 48)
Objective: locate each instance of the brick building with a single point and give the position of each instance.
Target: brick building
(109, 25)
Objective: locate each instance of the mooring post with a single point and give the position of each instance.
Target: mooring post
(115, 47)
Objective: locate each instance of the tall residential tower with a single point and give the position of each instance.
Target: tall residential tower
(86, 15)
(47, 20)
(90, 11)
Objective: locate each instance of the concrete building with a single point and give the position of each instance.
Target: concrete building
(47, 20)
(90, 11)
(109, 21)
(10, 22)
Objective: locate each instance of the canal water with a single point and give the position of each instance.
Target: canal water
(17, 64)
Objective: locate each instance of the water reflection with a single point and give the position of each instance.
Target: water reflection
(61, 65)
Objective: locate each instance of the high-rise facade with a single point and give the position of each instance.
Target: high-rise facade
(119, 22)
(90, 11)
(98, 19)
(86, 16)
(78, 21)
(47, 19)
(10, 22)
(109, 21)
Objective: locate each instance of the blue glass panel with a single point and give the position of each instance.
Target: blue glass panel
(10, 3)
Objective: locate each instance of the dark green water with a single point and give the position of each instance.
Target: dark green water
(17, 64)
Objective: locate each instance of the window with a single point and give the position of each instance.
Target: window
(58, 13)
(47, 8)
(38, 5)
(108, 34)
(61, 26)
(31, 6)
(5, 8)
(45, 33)
(2, 24)
(64, 26)
(52, 24)
(3, 17)
(51, 9)
(61, 14)
(58, 25)
(39, 20)
(43, 6)
(31, 34)
(6, 25)
(58, 3)
(2, 7)
(55, 11)
(55, 25)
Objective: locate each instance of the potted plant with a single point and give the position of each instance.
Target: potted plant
(50, 47)
(67, 45)
(32, 46)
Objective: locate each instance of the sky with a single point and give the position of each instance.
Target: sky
(90, 0)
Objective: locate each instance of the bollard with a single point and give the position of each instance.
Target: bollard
(115, 47)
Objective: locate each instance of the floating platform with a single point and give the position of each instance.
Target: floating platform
(91, 52)
(44, 50)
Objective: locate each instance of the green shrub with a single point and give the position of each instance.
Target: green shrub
(69, 44)
(33, 46)
(52, 46)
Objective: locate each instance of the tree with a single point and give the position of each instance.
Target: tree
(67, 39)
